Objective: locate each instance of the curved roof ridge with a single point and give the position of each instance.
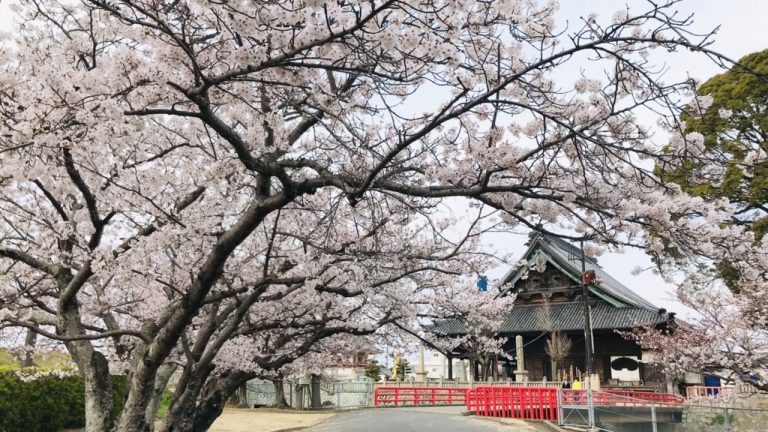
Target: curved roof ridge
(569, 256)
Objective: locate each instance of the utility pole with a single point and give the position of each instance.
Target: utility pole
(586, 280)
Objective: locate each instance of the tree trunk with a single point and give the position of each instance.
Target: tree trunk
(180, 417)
(196, 409)
(483, 366)
(316, 401)
(28, 356)
(148, 360)
(93, 366)
(213, 398)
(280, 401)
(98, 394)
(161, 382)
(242, 393)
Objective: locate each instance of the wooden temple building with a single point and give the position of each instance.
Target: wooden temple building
(549, 297)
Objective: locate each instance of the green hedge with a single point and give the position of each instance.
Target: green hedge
(46, 404)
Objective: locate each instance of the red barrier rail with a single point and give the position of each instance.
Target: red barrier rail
(622, 398)
(415, 396)
(531, 403)
(694, 392)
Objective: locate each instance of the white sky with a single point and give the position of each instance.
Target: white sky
(743, 30)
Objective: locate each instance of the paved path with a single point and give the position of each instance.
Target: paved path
(433, 419)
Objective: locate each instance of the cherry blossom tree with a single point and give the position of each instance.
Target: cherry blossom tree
(479, 321)
(725, 283)
(177, 178)
(727, 336)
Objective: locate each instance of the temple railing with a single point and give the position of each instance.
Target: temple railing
(697, 392)
(418, 396)
(465, 384)
(530, 403)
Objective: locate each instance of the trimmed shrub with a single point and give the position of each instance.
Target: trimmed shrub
(46, 404)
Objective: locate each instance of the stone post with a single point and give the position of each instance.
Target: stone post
(462, 376)
(421, 374)
(521, 375)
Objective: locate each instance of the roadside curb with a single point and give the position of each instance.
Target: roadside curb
(506, 423)
(293, 429)
(547, 426)
(301, 428)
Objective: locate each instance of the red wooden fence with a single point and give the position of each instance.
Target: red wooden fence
(627, 398)
(416, 396)
(708, 391)
(531, 403)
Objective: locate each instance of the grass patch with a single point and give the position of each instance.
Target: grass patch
(6, 359)
(45, 360)
(165, 404)
(52, 360)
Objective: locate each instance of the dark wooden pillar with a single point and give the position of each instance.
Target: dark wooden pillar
(450, 367)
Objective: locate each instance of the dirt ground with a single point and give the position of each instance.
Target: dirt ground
(259, 420)
(266, 420)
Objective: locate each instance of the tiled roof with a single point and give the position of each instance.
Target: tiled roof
(569, 256)
(566, 316)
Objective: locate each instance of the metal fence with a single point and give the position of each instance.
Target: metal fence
(658, 412)
(620, 411)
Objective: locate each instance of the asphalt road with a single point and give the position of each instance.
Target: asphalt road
(437, 419)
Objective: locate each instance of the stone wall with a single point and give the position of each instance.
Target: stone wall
(737, 414)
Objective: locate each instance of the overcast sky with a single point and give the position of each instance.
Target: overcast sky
(743, 30)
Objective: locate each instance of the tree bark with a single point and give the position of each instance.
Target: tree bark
(93, 366)
(98, 394)
(483, 366)
(316, 401)
(28, 357)
(181, 415)
(242, 393)
(161, 383)
(214, 397)
(280, 401)
(197, 408)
